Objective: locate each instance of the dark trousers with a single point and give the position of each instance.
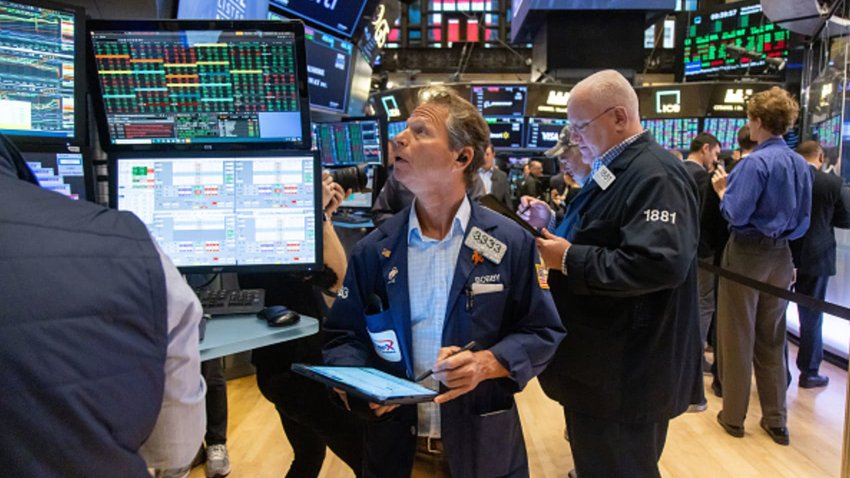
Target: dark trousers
(810, 354)
(311, 422)
(216, 402)
(609, 449)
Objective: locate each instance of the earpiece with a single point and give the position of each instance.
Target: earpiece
(462, 158)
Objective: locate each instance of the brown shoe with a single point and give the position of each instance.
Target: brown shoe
(734, 430)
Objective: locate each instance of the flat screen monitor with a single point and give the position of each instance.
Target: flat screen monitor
(212, 212)
(725, 129)
(543, 133)
(506, 132)
(186, 84)
(673, 133)
(351, 142)
(502, 100)
(222, 9)
(41, 84)
(828, 133)
(328, 68)
(742, 24)
(395, 127)
(338, 16)
(65, 173)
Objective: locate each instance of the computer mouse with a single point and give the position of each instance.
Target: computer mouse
(279, 316)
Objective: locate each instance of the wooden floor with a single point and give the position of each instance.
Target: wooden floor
(696, 445)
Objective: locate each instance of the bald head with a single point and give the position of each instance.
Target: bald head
(603, 111)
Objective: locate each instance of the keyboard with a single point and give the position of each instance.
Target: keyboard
(232, 301)
(350, 218)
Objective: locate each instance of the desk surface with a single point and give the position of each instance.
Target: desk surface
(230, 334)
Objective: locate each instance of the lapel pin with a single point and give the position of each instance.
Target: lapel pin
(392, 275)
(386, 252)
(477, 258)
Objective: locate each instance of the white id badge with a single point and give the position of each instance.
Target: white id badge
(386, 345)
(486, 288)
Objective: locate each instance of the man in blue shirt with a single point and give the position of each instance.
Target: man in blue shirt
(767, 201)
(439, 274)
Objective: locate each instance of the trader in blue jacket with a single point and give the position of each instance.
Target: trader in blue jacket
(436, 276)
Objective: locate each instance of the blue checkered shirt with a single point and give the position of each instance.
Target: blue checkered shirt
(430, 271)
(612, 153)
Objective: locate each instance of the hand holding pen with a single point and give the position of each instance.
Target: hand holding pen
(461, 370)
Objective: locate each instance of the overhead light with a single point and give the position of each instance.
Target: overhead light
(777, 64)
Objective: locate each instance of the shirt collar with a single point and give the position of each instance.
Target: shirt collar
(483, 170)
(459, 224)
(615, 151)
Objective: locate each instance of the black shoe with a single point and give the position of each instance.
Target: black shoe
(716, 388)
(735, 431)
(572, 474)
(778, 434)
(813, 381)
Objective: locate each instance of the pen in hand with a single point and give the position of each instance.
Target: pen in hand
(427, 374)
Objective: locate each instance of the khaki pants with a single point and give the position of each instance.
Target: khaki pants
(751, 329)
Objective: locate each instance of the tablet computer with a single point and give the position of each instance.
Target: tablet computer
(368, 383)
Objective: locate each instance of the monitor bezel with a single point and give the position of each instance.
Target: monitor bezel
(317, 265)
(294, 26)
(89, 173)
(33, 142)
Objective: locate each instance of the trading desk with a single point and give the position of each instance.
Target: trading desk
(230, 334)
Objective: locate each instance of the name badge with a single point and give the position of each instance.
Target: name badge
(491, 248)
(604, 177)
(386, 345)
(479, 288)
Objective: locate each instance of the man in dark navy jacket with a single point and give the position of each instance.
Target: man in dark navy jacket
(434, 277)
(623, 275)
(814, 258)
(101, 369)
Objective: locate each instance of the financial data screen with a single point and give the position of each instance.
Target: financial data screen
(395, 127)
(328, 69)
(745, 26)
(340, 16)
(543, 133)
(63, 173)
(725, 129)
(828, 132)
(350, 143)
(37, 71)
(226, 211)
(500, 100)
(188, 86)
(673, 133)
(506, 132)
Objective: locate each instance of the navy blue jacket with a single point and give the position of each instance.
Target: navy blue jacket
(480, 430)
(84, 328)
(814, 253)
(629, 299)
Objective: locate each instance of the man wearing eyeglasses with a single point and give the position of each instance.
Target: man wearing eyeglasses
(623, 275)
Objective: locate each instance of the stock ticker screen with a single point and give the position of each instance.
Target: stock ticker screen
(673, 133)
(224, 211)
(179, 87)
(707, 35)
(506, 132)
(828, 133)
(350, 143)
(500, 100)
(543, 133)
(63, 173)
(725, 129)
(38, 71)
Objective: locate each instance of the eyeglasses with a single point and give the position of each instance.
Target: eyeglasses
(581, 128)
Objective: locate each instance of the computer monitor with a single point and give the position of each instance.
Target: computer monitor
(338, 16)
(355, 142)
(213, 212)
(395, 127)
(506, 132)
(673, 133)
(543, 133)
(66, 173)
(828, 133)
(499, 100)
(184, 84)
(725, 129)
(328, 69)
(42, 92)
(706, 34)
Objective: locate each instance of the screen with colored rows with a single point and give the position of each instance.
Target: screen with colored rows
(195, 86)
(725, 129)
(673, 133)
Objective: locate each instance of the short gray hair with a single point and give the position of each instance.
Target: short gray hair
(465, 125)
